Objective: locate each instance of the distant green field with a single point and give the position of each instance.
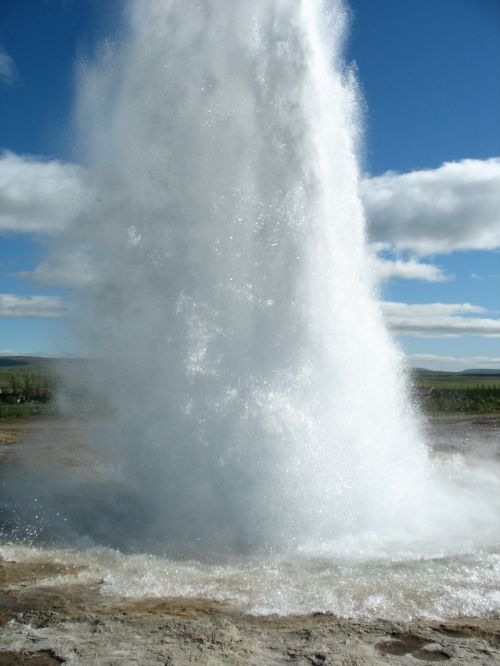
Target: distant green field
(28, 385)
(26, 411)
(24, 376)
(459, 393)
(18, 367)
(454, 380)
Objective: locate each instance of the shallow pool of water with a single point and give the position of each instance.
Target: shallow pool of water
(396, 576)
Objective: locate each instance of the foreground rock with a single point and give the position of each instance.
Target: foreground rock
(49, 616)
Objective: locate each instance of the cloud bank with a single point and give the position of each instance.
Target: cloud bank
(8, 72)
(455, 363)
(439, 320)
(12, 305)
(408, 269)
(71, 268)
(39, 197)
(454, 207)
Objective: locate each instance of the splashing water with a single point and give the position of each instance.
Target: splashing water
(259, 404)
(258, 396)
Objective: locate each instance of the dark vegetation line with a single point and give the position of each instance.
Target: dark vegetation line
(471, 400)
(26, 391)
(468, 392)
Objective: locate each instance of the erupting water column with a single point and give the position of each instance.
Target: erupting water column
(258, 399)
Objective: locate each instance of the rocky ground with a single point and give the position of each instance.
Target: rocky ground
(48, 615)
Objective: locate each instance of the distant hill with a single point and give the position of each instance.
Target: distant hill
(482, 371)
(39, 363)
(476, 372)
(20, 366)
(13, 361)
(26, 362)
(18, 361)
(425, 371)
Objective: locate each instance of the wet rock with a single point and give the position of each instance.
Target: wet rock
(431, 652)
(24, 658)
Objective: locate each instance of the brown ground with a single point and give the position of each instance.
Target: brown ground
(47, 623)
(50, 615)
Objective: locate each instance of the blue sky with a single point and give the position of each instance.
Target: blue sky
(428, 72)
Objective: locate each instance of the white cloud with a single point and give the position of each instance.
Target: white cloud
(490, 276)
(12, 305)
(430, 309)
(454, 363)
(8, 72)
(410, 269)
(439, 320)
(41, 197)
(454, 207)
(70, 269)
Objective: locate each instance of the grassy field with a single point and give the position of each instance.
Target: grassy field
(23, 380)
(455, 393)
(30, 387)
(26, 411)
(14, 368)
(454, 380)
(26, 384)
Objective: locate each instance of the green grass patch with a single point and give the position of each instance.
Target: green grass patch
(459, 392)
(26, 411)
(456, 381)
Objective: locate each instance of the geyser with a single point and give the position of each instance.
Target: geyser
(258, 399)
